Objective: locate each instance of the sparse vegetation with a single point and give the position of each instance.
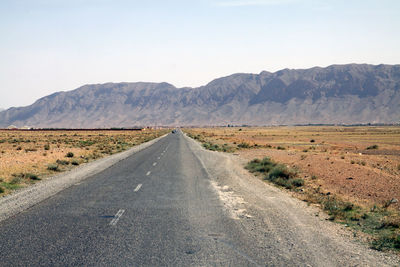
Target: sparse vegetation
(373, 147)
(243, 145)
(52, 167)
(69, 155)
(276, 173)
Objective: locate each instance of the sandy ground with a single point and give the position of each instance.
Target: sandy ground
(357, 183)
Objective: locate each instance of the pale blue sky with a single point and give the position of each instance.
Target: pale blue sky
(57, 45)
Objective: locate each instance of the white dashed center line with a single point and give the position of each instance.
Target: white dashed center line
(138, 187)
(155, 163)
(148, 173)
(116, 217)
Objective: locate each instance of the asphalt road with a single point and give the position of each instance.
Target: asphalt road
(155, 208)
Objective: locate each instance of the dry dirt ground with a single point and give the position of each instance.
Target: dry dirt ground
(359, 164)
(27, 156)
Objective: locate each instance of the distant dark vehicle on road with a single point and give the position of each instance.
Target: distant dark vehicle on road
(173, 131)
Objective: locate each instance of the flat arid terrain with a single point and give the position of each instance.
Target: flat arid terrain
(29, 156)
(353, 173)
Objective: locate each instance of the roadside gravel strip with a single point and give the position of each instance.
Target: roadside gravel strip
(25, 198)
(280, 222)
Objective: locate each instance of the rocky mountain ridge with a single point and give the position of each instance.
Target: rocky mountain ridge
(345, 94)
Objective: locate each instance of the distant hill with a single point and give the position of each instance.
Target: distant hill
(347, 94)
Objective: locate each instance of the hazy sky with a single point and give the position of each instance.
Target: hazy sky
(57, 45)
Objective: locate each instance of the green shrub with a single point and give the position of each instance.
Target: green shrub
(243, 145)
(10, 186)
(298, 182)
(52, 167)
(373, 147)
(386, 242)
(32, 176)
(47, 147)
(16, 180)
(276, 173)
(75, 162)
(62, 162)
(281, 148)
(336, 208)
(263, 166)
(69, 155)
(1, 190)
(279, 172)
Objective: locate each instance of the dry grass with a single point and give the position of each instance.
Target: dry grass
(26, 156)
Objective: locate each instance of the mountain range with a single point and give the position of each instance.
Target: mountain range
(338, 94)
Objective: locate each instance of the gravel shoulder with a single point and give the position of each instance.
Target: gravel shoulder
(291, 227)
(25, 198)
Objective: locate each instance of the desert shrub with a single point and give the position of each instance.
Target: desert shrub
(312, 141)
(47, 147)
(62, 162)
(32, 176)
(1, 190)
(243, 145)
(281, 148)
(386, 242)
(279, 172)
(336, 208)
(75, 162)
(264, 166)
(211, 146)
(69, 155)
(52, 167)
(297, 182)
(373, 147)
(10, 186)
(276, 173)
(16, 180)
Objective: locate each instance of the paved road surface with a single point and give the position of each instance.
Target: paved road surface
(155, 208)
